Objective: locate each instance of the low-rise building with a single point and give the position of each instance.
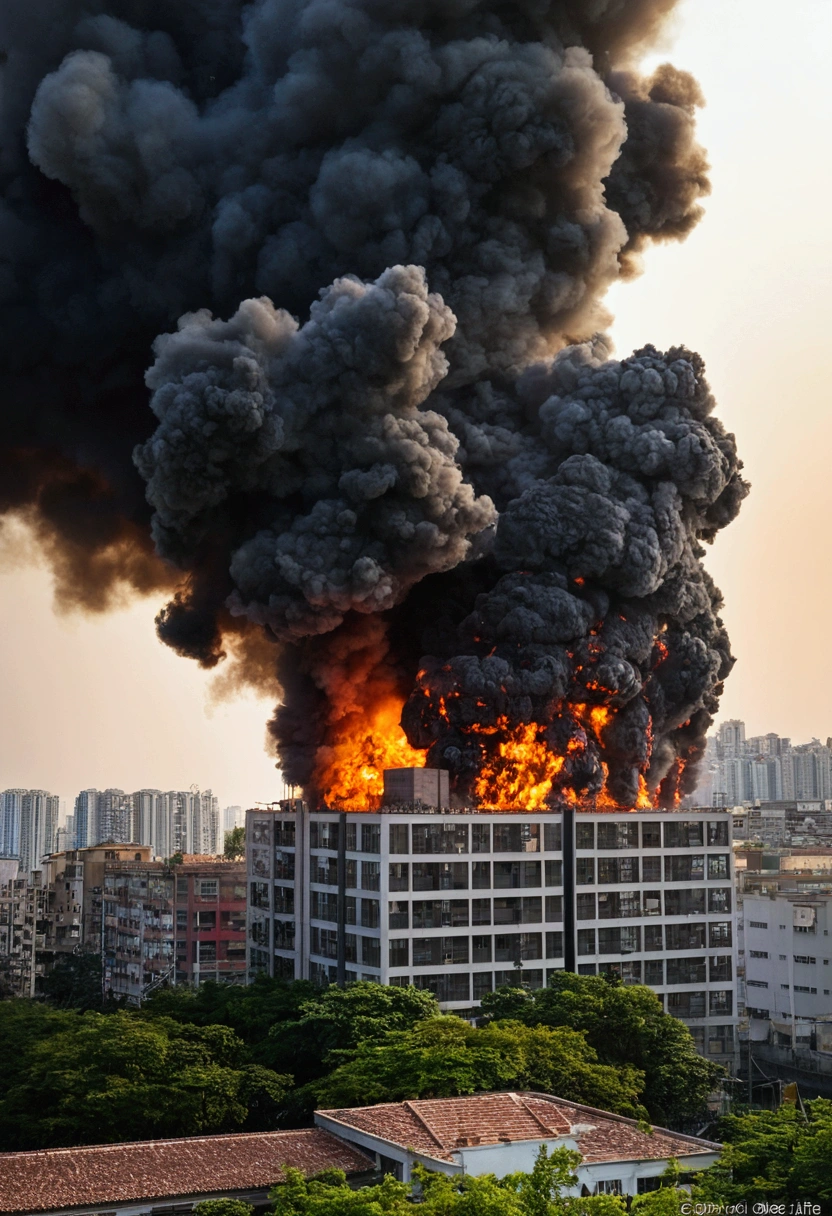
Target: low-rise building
(788, 962)
(166, 1176)
(210, 906)
(500, 1133)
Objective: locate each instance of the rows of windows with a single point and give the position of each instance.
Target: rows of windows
(678, 834)
(357, 948)
(514, 948)
(437, 875)
(683, 868)
(615, 905)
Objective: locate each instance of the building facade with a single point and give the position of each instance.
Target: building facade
(28, 825)
(788, 961)
(210, 906)
(462, 902)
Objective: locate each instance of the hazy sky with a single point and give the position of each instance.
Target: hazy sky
(99, 702)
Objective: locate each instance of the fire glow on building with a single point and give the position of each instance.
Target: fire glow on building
(406, 482)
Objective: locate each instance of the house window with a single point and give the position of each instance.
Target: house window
(440, 838)
(209, 888)
(399, 879)
(397, 917)
(516, 837)
(584, 835)
(398, 838)
(399, 952)
(608, 1186)
(585, 906)
(552, 837)
(370, 838)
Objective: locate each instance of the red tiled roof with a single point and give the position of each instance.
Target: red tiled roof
(155, 1169)
(438, 1126)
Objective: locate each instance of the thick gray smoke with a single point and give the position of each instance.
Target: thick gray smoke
(406, 209)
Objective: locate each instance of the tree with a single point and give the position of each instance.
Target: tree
(105, 1078)
(773, 1156)
(75, 982)
(223, 1207)
(626, 1025)
(235, 844)
(444, 1056)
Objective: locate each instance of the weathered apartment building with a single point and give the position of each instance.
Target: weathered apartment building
(460, 902)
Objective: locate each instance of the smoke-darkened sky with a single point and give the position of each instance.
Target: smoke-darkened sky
(98, 701)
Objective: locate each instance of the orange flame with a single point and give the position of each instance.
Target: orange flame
(350, 771)
(521, 775)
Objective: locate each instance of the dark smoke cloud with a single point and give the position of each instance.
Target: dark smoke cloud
(405, 209)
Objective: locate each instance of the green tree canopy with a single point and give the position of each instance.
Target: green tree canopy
(223, 1207)
(97, 1078)
(235, 844)
(75, 982)
(444, 1055)
(626, 1025)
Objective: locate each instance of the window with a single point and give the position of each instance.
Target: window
(399, 876)
(440, 913)
(625, 940)
(684, 869)
(554, 907)
(284, 935)
(757, 984)
(209, 888)
(284, 833)
(260, 833)
(445, 987)
(617, 835)
(554, 873)
(516, 947)
(686, 971)
(654, 972)
(719, 899)
(483, 983)
(720, 1040)
(481, 838)
(481, 875)
(323, 869)
(805, 958)
(652, 903)
(507, 910)
(608, 1186)
(369, 913)
(801, 988)
(259, 898)
(480, 911)
(323, 905)
(349, 909)
(370, 838)
(370, 952)
(439, 838)
(517, 837)
(651, 835)
(554, 944)
(719, 933)
(181, 886)
(442, 875)
(718, 865)
(651, 869)
(398, 838)
(351, 873)
(653, 935)
(617, 869)
(685, 902)
(628, 973)
(399, 952)
(720, 967)
(182, 913)
(584, 835)
(614, 904)
(439, 951)
(516, 874)
(323, 835)
(481, 949)
(587, 968)
(208, 952)
(684, 834)
(718, 832)
(552, 837)
(370, 875)
(721, 1001)
(586, 941)
(584, 870)
(350, 948)
(397, 914)
(758, 953)
(758, 924)
(284, 899)
(323, 942)
(686, 1004)
(685, 937)
(585, 906)
(350, 837)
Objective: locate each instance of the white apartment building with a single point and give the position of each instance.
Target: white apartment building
(788, 963)
(460, 902)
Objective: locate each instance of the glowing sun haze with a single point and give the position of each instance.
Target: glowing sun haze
(99, 701)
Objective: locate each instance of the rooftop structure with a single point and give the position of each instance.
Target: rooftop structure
(152, 1175)
(502, 1132)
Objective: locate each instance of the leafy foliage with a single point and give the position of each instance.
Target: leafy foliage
(444, 1055)
(97, 1078)
(235, 844)
(223, 1207)
(75, 982)
(626, 1025)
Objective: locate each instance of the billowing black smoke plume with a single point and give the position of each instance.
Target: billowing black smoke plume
(406, 209)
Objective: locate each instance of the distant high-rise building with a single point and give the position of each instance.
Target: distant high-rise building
(151, 821)
(11, 809)
(86, 818)
(28, 823)
(233, 817)
(731, 738)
